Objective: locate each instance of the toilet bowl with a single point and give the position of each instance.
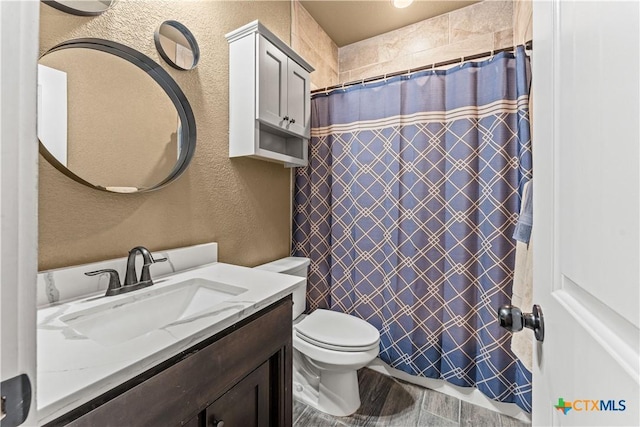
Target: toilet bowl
(329, 347)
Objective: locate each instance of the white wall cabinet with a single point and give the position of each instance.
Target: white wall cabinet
(269, 97)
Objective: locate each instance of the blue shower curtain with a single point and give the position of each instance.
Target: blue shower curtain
(407, 209)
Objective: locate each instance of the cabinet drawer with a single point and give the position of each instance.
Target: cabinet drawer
(181, 391)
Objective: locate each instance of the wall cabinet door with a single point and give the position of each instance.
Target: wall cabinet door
(272, 85)
(283, 91)
(246, 404)
(298, 105)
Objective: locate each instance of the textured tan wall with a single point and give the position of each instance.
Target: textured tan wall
(243, 204)
(478, 28)
(314, 45)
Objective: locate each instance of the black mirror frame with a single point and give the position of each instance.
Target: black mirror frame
(187, 34)
(73, 11)
(154, 70)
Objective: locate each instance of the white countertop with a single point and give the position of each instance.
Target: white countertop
(73, 369)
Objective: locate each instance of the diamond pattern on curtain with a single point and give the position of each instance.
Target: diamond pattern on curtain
(407, 209)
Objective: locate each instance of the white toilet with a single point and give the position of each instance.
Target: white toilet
(329, 347)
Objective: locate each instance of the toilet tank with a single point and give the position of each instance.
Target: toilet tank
(294, 266)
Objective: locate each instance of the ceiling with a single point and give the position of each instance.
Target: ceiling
(347, 22)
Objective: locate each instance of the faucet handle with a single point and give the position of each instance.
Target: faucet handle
(114, 279)
(145, 275)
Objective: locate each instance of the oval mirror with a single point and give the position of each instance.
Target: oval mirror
(81, 7)
(111, 118)
(177, 45)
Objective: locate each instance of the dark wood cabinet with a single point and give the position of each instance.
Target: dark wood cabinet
(193, 422)
(245, 405)
(241, 376)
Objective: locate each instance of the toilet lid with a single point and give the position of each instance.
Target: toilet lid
(337, 331)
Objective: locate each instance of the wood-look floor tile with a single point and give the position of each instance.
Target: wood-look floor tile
(374, 389)
(512, 422)
(298, 409)
(389, 402)
(400, 406)
(431, 420)
(312, 418)
(441, 405)
(474, 416)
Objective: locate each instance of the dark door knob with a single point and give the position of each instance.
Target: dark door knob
(514, 320)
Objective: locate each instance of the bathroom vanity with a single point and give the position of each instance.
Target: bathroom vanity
(241, 377)
(207, 342)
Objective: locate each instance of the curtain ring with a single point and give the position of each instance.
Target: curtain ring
(362, 83)
(492, 55)
(409, 73)
(461, 61)
(385, 77)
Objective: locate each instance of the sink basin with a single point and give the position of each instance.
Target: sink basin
(143, 311)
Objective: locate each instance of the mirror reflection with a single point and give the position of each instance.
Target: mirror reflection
(105, 122)
(177, 45)
(81, 7)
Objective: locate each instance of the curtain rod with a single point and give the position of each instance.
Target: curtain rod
(528, 46)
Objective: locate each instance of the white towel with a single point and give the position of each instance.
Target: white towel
(522, 342)
(522, 232)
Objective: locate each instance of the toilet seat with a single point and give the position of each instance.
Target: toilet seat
(337, 331)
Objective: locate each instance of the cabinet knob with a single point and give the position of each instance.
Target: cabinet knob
(292, 121)
(285, 118)
(217, 423)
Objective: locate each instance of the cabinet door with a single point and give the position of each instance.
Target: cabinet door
(194, 422)
(272, 85)
(298, 106)
(247, 404)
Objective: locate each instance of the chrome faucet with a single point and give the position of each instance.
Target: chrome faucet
(131, 282)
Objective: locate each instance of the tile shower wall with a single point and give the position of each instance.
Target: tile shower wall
(522, 21)
(314, 45)
(474, 29)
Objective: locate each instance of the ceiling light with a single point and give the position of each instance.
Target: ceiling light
(401, 4)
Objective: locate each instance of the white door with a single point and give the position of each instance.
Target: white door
(586, 212)
(18, 209)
